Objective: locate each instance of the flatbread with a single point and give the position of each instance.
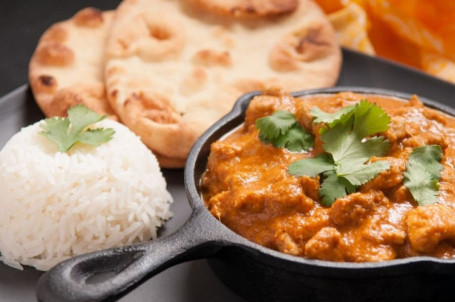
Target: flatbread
(173, 67)
(67, 67)
(248, 8)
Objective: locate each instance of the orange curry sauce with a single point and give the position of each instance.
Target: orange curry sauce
(248, 188)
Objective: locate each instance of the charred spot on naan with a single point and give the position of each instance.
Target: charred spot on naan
(312, 42)
(153, 107)
(89, 17)
(303, 45)
(54, 54)
(151, 117)
(212, 57)
(62, 101)
(44, 84)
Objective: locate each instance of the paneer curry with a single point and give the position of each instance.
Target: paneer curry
(249, 186)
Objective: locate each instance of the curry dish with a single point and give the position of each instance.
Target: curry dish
(247, 186)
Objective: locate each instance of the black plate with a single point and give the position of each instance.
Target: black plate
(194, 281)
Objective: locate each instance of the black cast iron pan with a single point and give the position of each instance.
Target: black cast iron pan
(252, 271)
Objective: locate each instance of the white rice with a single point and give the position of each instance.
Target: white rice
(56, 205)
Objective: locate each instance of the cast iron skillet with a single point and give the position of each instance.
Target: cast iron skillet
(252, 271)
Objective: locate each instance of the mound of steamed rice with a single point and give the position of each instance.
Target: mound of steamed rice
(56, 205)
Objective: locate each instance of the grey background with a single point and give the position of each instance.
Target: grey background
(21, 24)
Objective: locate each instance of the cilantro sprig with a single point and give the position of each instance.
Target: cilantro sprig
(423, 172)
(65, 132)
(344, 165)
(282, 130)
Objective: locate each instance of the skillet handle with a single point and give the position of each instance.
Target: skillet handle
(109, 274)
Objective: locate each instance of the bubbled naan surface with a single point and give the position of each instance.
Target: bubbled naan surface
(67, 67)
(173, 67)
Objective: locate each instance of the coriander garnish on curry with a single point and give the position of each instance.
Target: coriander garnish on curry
(342, 166)
(340, 177)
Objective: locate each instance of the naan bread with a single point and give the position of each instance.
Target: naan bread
(248, 8)
(67, 67)
(174, 67)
